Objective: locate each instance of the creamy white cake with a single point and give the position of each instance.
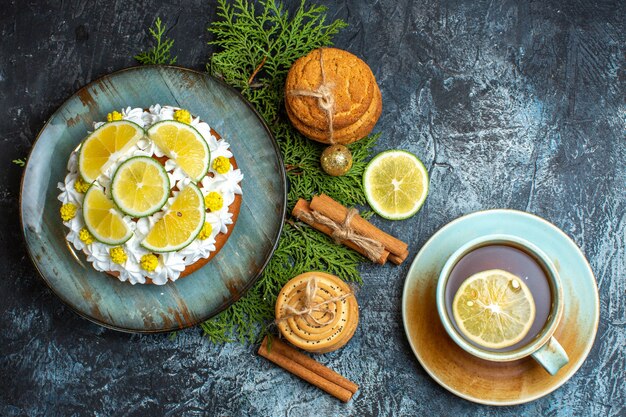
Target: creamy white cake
(171, 265)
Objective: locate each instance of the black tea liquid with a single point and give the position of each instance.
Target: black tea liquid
(513, 260)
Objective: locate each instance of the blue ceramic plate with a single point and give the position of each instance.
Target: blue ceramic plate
(498, 383)
(206, 292)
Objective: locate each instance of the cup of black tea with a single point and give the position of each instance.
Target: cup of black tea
(499, 298)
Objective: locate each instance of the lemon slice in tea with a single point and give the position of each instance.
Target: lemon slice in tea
(396, 184)
(105, 146)
(181, 223)
(494, 309)
(102, 219)
(140, 186)
(183, 144)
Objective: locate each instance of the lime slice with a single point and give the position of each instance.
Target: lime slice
(105, 146)
(396, 184)
(140, 186)
(183, 144)
(494, 309)
(181, 223)
(103, 220)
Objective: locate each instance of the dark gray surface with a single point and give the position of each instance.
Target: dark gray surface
(509, 105)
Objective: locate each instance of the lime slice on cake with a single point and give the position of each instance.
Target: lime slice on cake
(140, 186)
(105, 146)
(183, 144)
(181, 223)
(103, 220)
(494, 309)
(396, 184)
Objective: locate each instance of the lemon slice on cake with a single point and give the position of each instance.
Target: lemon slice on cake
(184, 145)
(105, 146)
(103, 220)
(181, 223)
(140, 186)
(494, 309)
(396, 184)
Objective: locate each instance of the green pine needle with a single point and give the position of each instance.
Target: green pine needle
(260, 42)
(306, 177)
(161, 52)
(19, 162)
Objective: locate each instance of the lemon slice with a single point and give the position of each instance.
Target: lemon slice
(105, 146)
(181, 223)
(494, 309)
(396, 184)
(102, 219)
(140, 186)
(183, 144)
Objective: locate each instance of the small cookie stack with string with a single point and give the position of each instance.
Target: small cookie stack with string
(331, 96)
(317, 312)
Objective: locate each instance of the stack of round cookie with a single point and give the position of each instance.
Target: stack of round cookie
(331, 96)
(317, 312)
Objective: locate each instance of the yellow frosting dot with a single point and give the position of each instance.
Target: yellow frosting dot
(118, 255)
(68, 211)
(221, 165)
(113, 116)
(182, 116)
(213, 201)
(81, 185)
(149, 262)
(205, 233)
(85, 236)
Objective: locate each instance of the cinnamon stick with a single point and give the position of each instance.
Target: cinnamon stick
(308, 369)
(399, 259)
(337, 212)
(302, 206)
(310, 363)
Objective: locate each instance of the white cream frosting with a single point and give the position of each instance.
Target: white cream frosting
(170, 264)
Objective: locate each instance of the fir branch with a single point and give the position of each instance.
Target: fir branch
(161, 52)
(270, 39)
(259, 44)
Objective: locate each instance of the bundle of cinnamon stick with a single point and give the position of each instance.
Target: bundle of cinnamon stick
(308, 369)
(333, 219)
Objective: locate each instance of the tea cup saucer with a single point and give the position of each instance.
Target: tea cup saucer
(478, 380)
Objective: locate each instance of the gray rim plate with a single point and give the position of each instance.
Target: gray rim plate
(201, 295)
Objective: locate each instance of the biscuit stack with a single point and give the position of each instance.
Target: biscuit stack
(331, 96)
(317, 312)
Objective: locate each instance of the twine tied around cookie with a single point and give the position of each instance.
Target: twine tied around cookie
(324, 95)
(342, 231)
(310, 306)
